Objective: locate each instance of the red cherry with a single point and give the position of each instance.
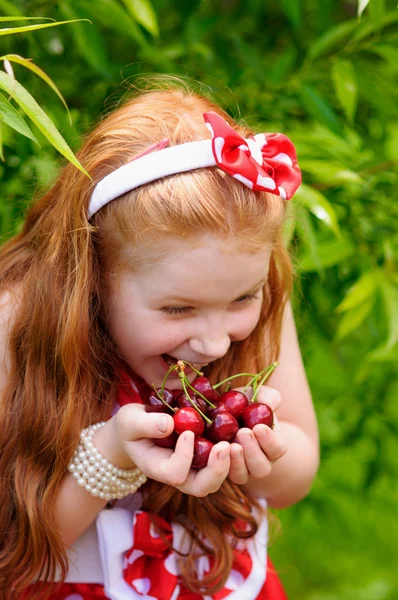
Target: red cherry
(183, 400)
(220, 407)
(188, 419)
(256, 413)
(201, 451)
(154, 404)
(203, 385)
(235, 402)
(167, 442)
(223, 428)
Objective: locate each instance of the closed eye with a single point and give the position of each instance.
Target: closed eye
(246, 298)
(181, 310)
(176, 310)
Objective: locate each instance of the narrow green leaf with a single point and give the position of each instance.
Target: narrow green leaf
(332, 40)
(310, 248)
(387, 52)
(9, 8)
(345, 85)
(369, 28)
(318, 205)
(293, 11)
(10, 30)
(361, 291)
(1, 142)
(113, 16)
(353, 319)
(13, 119)
(21, 18)
(362, 4)
(390, 297)
(329, 173)
(27, 62)
(329, 254)
(89, 41)
(142, 11)
(377, 11)
(318, 108)
(39, 117)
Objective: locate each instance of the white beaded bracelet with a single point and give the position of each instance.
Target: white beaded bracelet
(97, 475)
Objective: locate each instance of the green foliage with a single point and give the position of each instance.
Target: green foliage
(325, 73)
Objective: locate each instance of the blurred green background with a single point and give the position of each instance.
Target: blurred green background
(325, 73)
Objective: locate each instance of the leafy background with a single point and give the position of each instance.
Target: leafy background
(325, 73)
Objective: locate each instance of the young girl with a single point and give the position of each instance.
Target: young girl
(172, 251)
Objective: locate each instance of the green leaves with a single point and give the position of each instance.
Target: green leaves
(345, 85)
(362, 4)
(319, 109)
(318, 205)
(143, 12)
(11, 117)
(38, 116)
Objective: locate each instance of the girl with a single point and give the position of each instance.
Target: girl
(172, 251)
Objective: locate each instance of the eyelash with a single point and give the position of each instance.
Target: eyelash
(180, 310)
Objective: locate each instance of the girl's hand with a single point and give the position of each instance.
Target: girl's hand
(257, 449)
(136, 430)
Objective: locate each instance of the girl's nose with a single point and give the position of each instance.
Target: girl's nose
(211, 346)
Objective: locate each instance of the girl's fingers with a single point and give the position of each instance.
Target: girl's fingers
(256, 461)
(271, 442)
(238, 472)
(270, 396)
(133, 423)
(208, 480)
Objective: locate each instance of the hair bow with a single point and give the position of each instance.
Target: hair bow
(266, 162)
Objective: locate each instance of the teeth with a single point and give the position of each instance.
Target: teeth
(172, 361)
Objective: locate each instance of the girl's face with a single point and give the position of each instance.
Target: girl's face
(190, 305)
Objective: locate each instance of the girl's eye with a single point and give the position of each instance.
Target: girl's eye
(176, 310)
(246, 298)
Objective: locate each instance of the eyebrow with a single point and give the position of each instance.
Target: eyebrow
(191, 301)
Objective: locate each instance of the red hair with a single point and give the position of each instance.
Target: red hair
(62, 375)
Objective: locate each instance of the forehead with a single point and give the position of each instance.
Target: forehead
(201, 268)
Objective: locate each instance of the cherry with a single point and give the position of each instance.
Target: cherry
(201, 451)
(203, 385)
(220, 407)
(235, 402)
(188, 419)
(183, 400)
(154, 404)
(167, 442)
(256, 413)
(223, 428)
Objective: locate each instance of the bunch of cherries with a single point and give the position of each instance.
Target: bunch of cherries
(213, 417)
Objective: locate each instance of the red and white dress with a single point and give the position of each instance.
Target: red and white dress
(122, 557)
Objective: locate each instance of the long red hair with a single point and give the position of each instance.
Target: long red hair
(62, 372)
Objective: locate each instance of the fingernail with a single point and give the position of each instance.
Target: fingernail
(163, 424)
(245, 437)
(222, 455)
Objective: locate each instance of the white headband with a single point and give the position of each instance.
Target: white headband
(267, 162)
(176, 159)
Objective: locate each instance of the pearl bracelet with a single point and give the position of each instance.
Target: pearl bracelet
(97, 475)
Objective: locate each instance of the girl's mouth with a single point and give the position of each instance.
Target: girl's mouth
(171, 361)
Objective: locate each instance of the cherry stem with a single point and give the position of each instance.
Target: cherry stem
(252, 375)
(199, 373)
(173, 368)
(162, 399)
(199, 394)
(270, 370)
(254, 381)
(184, 387)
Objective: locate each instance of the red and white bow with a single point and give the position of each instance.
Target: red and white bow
(151, 565)
(267, 162)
